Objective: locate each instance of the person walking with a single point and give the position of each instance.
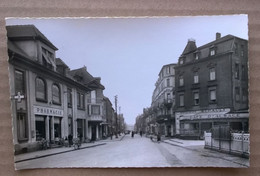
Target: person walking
(158, 137)
(141, 133)
(70, 140)
(133, 134)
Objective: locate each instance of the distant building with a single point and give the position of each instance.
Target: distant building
(211, 86)
(163, 101)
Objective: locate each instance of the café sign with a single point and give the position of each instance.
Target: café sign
(41, 110)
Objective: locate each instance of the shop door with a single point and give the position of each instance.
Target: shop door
(40, 128)
(93, 131)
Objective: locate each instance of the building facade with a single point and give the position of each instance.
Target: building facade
(163, 101)
(212, 86)
(48, 100)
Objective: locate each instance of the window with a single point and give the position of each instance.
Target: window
(212, 74)
(242, 51)
(21, 127)
(47, 58)
(196, 78)
(19, 82)
(196, 56)
(168, 82)
(56, 99)
(181, 81)
(243, 70)
(244, 95)
(69, 97)
(236, 48)
(212, 95)
(237, 94)
(181, 61)
(40, 87)
(168, 97)
(80, 100)
(168, 70)
(196, 98)
(237, 71)
(212, 52)
(95, 109)
(181, 98)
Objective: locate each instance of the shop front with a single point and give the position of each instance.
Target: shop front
(48, 123)
(193, 124)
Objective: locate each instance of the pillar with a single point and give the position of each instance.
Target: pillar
(47, 128)
(97, 130)
(52, 128)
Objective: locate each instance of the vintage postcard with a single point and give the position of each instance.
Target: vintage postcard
(129, 92)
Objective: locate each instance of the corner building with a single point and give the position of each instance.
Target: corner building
(212, 86)
(48, 101)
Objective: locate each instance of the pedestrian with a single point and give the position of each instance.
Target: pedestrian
(70, 139)
(111, 135)
(141, 133)
(133, 134)
(158, 137)
(151, 137)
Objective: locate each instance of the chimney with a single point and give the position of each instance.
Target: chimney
(218, 35)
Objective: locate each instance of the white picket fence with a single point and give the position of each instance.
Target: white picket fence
(239, 143)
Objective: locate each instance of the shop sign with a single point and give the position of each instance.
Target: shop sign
(40, 110)
(215, 116)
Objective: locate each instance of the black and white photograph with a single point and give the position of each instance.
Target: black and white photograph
(129, 92)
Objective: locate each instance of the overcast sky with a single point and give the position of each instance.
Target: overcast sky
(128, 53)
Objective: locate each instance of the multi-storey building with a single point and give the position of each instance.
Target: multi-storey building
(211, 86)
(109, 113)
(163, 100)
(92, 103)
(49, 101)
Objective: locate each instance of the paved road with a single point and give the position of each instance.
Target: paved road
(131, 152)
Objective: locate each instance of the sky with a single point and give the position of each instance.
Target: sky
(128, 53)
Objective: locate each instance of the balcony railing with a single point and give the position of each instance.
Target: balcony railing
(95, 118)
(94, 100)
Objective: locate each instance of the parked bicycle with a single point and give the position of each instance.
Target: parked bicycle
(76, 143)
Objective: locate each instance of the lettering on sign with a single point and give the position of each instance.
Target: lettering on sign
(214, 116)
(39, 110)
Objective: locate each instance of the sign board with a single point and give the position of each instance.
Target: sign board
(41, 110)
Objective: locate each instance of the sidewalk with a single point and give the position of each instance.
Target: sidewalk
(55, 151)
(198, 146)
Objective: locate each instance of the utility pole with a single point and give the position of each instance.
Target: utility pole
(119, 120)
(116, 116)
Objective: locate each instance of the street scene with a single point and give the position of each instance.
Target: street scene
(129, 92)
(133, 152)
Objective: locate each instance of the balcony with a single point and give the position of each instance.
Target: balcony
(94, 100)
(162, 118)
(168, 103)
(96, 118)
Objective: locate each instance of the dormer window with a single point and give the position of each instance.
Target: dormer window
(196, 55)
(212, 52)
(48, 59)
(181, 60)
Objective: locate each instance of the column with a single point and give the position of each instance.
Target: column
(47, 128)
(97, 131)
(52, 128)
(172, 130)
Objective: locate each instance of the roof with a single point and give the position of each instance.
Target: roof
(60, 62)
(222, 39)
(190, 47)
(12, 47)
(27, 32)
(87, 78)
